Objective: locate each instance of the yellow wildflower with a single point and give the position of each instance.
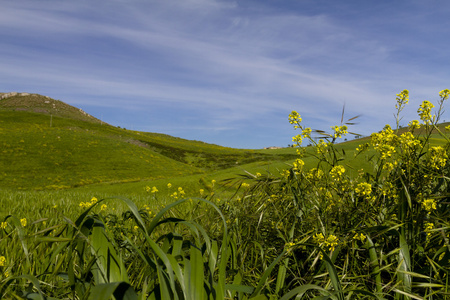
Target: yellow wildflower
(385, 141)
(363, 189)
(306, 132)
(428, 228)
(337, 172)
(388, 166)
(2, 261)
(360, 237)
(289, 247)
(424, 112)
(331, 242)
(438, 157)
(318, 238)
(409, 140)
(402, 99)
(429, 205)
(23, 222)
(321, 147)
(362, 147)
(298, 165)
(294, 118)
(169, 185)
(414, 124)
(339, 131)
(314, 174)
(285, 173)
(3, 225)
(444, 94)
(103, 207)
(297, 140)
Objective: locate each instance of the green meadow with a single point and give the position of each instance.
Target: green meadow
(93, 211)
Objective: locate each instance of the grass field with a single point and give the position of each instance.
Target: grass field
(91, 211)
(64, 150)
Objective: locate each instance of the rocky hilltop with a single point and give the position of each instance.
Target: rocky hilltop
(42, 104)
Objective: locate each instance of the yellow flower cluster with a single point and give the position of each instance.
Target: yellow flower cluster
(339, 131)
(360, 237)
(330, 242)
(3, 225)
(424, 112)
(362, 147)
(414, 124)
(298, 139)
(337, 172)
(402, 99)
(2, 261)
(428, 228)
(389, 190)
(152, 190)
(444, 94)
(23, 222)
(289, 247)
(306, 132)
(318, 238)
(363, 189)
(298, 165)
(321, 147)
(294, 118)
(88, 204)
(314, 174)
(385, 141)
(408, 140)
(438, 157)
(181, 193)
(147, 208)
(429, 205)
(285, 173)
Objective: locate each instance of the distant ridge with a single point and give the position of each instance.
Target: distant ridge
(43, 104)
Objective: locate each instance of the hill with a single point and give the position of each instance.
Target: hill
(48, 144)
(44, 105)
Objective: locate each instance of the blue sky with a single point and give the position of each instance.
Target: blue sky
(228, 72)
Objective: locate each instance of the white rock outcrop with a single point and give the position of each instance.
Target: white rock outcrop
(11, 94)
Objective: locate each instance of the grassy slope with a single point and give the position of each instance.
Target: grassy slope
(78, 150)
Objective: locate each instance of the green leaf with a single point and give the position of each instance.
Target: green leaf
(120, 291)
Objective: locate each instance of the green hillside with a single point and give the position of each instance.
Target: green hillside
(47, 144)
